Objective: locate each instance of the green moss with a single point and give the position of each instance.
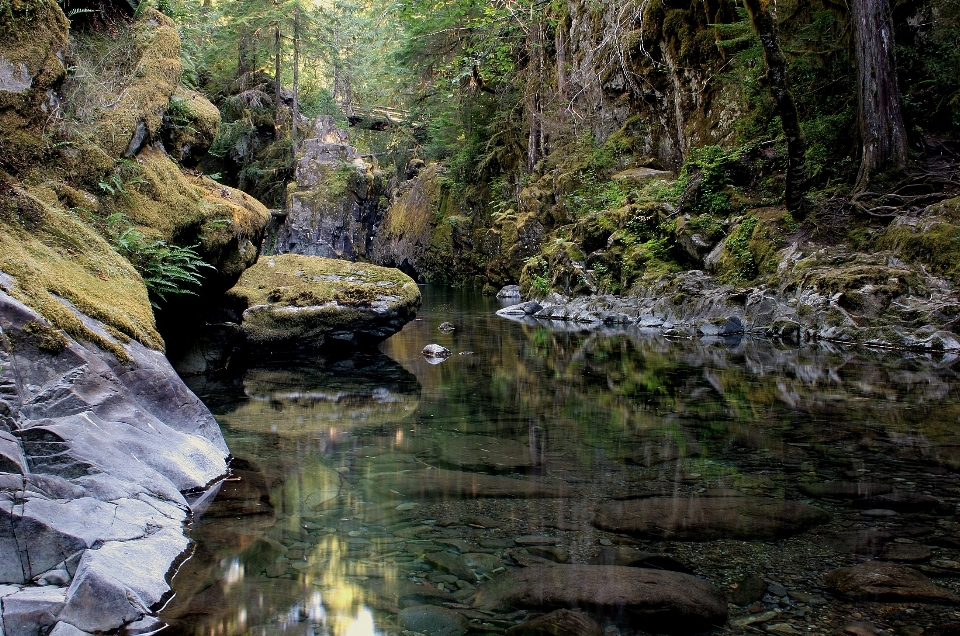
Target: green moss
(751, 248)
(54, 256)
(45, 337)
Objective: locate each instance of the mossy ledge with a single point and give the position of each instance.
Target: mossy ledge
(308, 303)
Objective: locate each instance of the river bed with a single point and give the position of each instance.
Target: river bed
(382, 494)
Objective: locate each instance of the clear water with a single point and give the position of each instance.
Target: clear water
(319, 530)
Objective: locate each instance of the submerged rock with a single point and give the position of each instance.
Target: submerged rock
(509, 292)
(709, 518)
(487, 454)
(446, 327)
(305, 303)
(451, 484)
(562, 622)
(879, 581)
(669, 601)
(433, 621)
(436, 351)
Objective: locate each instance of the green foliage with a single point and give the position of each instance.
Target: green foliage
(738, 246)
(167, 270)
(712, 166)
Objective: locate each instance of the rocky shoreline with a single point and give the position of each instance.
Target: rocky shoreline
(693, 304)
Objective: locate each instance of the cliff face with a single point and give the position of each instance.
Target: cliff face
(100, 441)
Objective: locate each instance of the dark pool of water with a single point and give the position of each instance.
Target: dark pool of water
(355, 489)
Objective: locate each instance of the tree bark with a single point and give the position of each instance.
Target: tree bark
(534, 79)
(296, 82)
(277, 43)
(766, 27)
(882, 131)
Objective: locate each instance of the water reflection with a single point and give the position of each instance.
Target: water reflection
(369, 487)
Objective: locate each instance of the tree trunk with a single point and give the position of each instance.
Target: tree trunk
(296, 81)
(276, 79)
(882, 130)
(766, 27)
(534, 79)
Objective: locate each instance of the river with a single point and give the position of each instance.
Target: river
(379, 493)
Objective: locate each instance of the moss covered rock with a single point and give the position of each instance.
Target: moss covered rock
(33, 36)
(308, 303)
(190, 124)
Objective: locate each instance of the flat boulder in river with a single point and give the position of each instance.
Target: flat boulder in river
(709, 518)
(452, 484)
(652, 599)
(879, 581)
(308, 303)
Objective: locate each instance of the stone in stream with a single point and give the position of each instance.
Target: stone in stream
(551, 553)
(401, 592)
(651, 599)
(487, 454)
(750, 589)
(631, 557)
(446, 327)
(450, 563)
(435, 351)
(845, 489)
(509, 291)
(562, 622)
(709, 518)
(451, 484)
(911, 552)
(899, 501)
(481, 563)
(433, 621)
(308, 303)
(880, 581)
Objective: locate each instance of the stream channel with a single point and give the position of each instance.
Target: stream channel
(380, 494)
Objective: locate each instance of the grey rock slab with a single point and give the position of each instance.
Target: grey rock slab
(453, 485)
(880, 581)
(709, 518)
(669, 601)
(480, 562)
(551, 553)
(907, 552)
(433, 621)
(32, 611)
(562, 622)
(119, 582)
(11, 455)
(900, 502)
(66, 629)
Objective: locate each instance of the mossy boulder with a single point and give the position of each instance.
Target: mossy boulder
(301, 304)
(33, 36)
(931, 239)
(406, 231)
(190, 124)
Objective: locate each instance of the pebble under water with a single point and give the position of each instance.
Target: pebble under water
(545, 480)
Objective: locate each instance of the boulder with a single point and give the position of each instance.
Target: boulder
(452, 564)
(879, 581)
(454, 485)
(509, 292)
(631, 557)
(668, 601)
(306, 303)
(709, 518)
(562, 622)
(32, 611)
